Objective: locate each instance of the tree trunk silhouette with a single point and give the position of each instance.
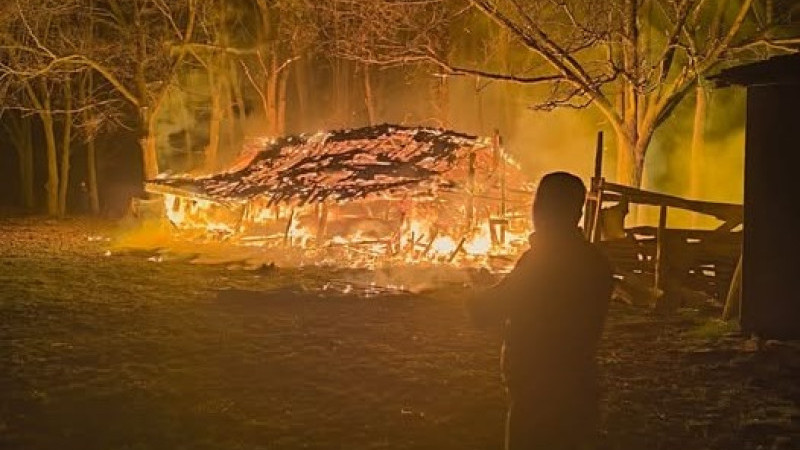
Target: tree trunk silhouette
(66, 151)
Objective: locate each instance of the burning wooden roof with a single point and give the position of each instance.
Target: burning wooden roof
(347, 165)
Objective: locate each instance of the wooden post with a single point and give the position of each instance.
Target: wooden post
(498, 145)
(598, 157)
(458, 249)
(734, 299)
(659, 265)
(286, 239)
(471, 194)
(322, 223)
(594, 201)
(598, 206)
(434, 235)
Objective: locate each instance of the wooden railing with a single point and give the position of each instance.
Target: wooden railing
(659, 262)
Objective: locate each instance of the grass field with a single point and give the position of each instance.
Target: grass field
(121, 351)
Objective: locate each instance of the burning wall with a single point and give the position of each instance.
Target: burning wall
(362, 197)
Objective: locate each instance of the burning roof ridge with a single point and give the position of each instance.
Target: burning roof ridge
(341, 164)
(320, 138)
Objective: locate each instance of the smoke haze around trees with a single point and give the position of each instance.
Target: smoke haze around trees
(97, 95)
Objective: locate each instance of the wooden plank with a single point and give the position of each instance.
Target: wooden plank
(729, 212)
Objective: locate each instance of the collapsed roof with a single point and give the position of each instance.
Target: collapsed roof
(346, 165)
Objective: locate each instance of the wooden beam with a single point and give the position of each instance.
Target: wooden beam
(729, 212)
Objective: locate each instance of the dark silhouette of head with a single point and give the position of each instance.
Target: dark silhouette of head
(558, 203)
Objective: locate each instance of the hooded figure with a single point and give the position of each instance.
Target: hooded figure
(553, 305)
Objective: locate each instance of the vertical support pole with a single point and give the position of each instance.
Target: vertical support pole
(286, 236)
(598, 157)
(594, 200)
(471, 194)
(659, 264)
(498, 145)
(733, 301)
(598, 206)
(322, 222)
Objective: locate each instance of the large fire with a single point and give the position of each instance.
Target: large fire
(362, 198)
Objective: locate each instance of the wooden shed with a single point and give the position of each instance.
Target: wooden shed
(770, 303)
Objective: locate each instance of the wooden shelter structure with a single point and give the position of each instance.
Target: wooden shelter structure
(770, 298)
(659, 264)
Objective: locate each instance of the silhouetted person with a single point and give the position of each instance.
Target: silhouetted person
(554, 305)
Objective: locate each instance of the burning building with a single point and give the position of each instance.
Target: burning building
(362, 197)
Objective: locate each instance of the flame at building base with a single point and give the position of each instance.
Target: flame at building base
(291, 236)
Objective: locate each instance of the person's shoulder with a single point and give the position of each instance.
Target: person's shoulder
(526, 260)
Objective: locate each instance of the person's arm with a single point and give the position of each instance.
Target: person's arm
(492, 306)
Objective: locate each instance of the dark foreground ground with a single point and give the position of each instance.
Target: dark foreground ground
(123, 352)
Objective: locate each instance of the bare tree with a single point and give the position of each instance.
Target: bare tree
(39, 87)
(132, 49)
(633, 60)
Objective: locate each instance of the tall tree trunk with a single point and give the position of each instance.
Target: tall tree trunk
(27, 173)
(631, 158)
(341, 86)
(46, 116)
(91, 152)
(187, 121)
(26, 166)
(238, 95)
(148, 143)
(91, 149)
(301, 80)
(52, 160)
(281, 103)
(232, 125)
(271, 92)
(215, 124)
(369, 100)
(698, 140)
(20, 132)
(66, 151)
(91, 169)
(441, 100)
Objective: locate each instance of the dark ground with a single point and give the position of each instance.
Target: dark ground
(121, 352)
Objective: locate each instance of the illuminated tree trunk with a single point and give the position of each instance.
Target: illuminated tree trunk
(238, 95)
(270, 92)
(212, 150)
(66, 151)
(630, 158)
(698, 139)
(52, 158)
(44, 110)
(91, 168)
(229, 107)
(441, 91)
(147, 110)
(148, 143)
(341, 85)
(280, 114)
(301, 80)
(369, 100)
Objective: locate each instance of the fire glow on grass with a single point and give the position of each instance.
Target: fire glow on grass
(362, 198)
